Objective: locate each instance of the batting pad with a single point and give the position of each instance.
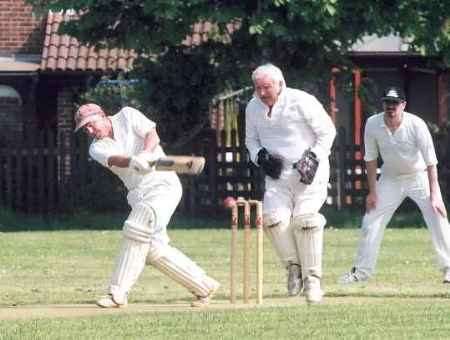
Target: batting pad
(280, 235)
(308, 232)
(140, 222)
(129, 265)
(181, 269)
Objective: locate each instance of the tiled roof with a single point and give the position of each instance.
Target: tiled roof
(64, 53)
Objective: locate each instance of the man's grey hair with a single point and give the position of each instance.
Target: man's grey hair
(270, 70)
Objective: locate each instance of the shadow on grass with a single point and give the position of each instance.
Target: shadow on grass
(84, 220)
(12, 222)
(405, 217)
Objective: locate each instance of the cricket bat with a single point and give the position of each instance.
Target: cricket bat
(189, 165)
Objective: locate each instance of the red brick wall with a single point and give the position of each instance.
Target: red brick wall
(20, 30)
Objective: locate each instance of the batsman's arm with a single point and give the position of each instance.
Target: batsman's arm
(151, 141)
(190, 165)
(119, 161)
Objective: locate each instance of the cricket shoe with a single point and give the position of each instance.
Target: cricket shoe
(108, 301)
(294, 281)
(353, 276)
(446, 275)
(312, 290)
(204, 301)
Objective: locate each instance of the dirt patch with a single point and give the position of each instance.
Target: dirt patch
(81, 310)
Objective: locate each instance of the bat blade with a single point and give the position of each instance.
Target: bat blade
(190, 165)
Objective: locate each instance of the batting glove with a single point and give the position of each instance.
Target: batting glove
(142, 163)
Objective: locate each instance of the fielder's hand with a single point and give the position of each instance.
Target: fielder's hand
(438, 206)
(307, 166)
(271, 164)
(141, 163)
(371, 201)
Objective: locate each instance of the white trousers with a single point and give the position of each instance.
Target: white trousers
(149, 243)
(391, 192)
(285, 199)
(163, 197)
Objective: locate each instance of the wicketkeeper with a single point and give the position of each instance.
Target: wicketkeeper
(126, 143)
(289, 135)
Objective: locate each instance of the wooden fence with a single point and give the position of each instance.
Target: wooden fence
(29, 178)
(41, 176)
(230, 173)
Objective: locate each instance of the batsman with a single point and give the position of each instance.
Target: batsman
(128, 144)
(289, 135)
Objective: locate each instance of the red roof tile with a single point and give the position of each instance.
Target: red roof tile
(64, 53)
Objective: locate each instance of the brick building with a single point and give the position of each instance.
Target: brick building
(41, 72)
(21, 36)
(41, 75)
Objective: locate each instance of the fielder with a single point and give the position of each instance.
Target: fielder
(289, 135)
(126, 143)
(409, 170)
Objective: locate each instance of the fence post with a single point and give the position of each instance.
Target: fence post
(340, 167)
(41, 185)
(30, 135)
(211, 162)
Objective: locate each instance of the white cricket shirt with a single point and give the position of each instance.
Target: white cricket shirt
(408, 150)
(298, 121)
(130, 127)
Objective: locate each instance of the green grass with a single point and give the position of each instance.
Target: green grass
(385, 320)
(405, 300)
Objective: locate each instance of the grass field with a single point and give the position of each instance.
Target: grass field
(69, 269)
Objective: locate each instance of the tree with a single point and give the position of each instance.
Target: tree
(304, 37)
(306, 32)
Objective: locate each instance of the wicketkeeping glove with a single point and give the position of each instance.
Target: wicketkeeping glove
(307, 166)
(271, 164)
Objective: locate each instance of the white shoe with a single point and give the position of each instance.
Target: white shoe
(446, 275)
(203, 301)
(353, 276)
(294, 281)
(313, 292)
(108, 301)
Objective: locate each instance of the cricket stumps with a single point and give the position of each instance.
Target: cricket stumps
(244, 219)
